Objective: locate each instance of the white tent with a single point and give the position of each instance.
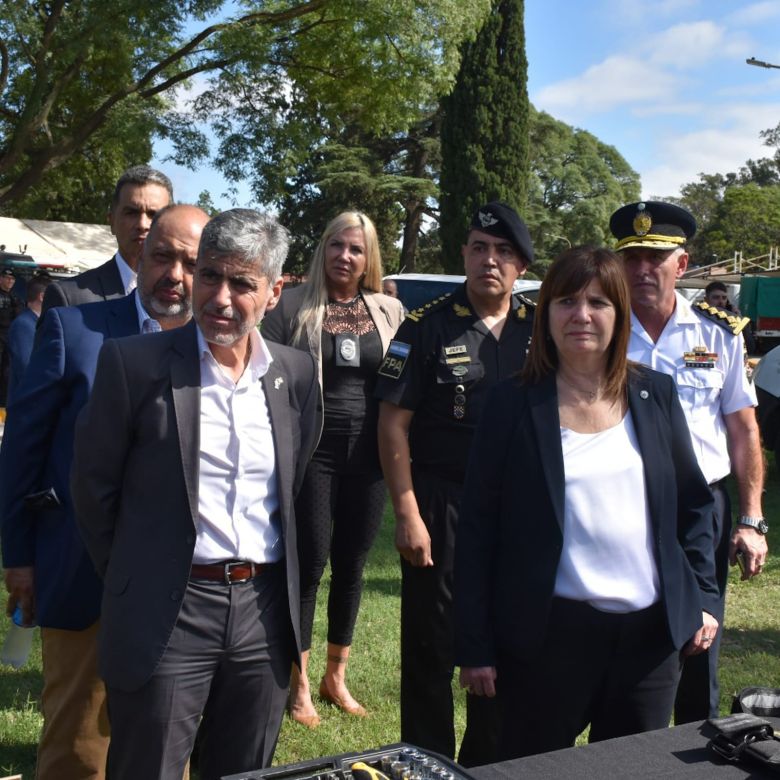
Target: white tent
(68, 243)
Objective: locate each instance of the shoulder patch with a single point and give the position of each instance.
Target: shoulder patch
(735, 325)
(423, 311)
(395, 359)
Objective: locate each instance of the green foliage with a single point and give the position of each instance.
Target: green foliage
(575, 183)
(485, 128)
(746, 220)
(340, 178)
(80, 189)
(206, 203)
(68, 69)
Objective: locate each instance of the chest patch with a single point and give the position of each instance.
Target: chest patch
(699, 357)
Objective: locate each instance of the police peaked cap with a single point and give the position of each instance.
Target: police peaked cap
(502, 221)
(652, 224)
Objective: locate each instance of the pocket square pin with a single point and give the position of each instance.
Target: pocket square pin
(278, 382)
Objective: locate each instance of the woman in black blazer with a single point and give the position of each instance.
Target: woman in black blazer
(583, 567)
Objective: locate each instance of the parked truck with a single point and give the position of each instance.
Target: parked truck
(759, 299)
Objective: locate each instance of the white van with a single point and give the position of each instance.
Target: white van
(415, 290)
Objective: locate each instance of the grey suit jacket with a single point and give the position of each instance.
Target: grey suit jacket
(97, 284)
(135, 485)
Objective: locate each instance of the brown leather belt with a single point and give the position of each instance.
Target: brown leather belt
(230, 572)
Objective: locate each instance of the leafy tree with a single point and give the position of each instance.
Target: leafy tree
(485, 127)
(80, 189)
(746, 220)
(339, 178)
(575, 183)
(68, 66)
(206, 203)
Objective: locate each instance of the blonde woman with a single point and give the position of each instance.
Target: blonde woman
(342, 319)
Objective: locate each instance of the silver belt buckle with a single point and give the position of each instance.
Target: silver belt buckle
(229, 568)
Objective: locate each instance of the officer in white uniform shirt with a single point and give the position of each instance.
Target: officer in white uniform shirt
(701, 347)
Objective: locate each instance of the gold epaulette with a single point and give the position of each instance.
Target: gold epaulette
(725, 319)
(423, 311)
(525, 308)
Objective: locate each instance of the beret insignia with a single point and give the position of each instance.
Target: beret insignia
(486, 219)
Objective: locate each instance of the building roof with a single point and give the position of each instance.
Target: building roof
(69, 243)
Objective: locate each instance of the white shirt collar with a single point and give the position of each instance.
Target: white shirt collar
(126, 274)
(259, 361)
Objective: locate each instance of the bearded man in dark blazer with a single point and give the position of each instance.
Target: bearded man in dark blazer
(186, 462)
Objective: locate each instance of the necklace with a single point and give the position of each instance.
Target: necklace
(591, 394)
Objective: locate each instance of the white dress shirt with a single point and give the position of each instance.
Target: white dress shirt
(706, 394)
(128, 276)
(238, 505)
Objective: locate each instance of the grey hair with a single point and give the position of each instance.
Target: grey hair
(252, 236)
(141, 174)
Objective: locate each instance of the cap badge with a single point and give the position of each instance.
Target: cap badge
(486, 219)
(642, 221)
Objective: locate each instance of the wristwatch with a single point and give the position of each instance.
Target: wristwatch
(758, 523)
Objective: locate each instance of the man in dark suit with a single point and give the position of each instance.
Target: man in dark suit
(186, 462)
(21, 334)
(139, 194)
(47, 570)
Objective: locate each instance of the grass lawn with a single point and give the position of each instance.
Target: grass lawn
(750, 655)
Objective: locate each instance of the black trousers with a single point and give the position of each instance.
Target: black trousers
(698, 695)
(228, 660)
(427, 643)
(618, 672)
(338, 512)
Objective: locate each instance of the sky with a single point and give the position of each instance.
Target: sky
(664, 82)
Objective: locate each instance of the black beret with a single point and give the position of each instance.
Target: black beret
(653, 224)
(502, 221)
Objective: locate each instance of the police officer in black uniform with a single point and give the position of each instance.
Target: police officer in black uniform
(10, 307)
(433, 383)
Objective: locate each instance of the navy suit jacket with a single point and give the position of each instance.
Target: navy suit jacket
(510, 532)
(37, 452)
(103, 283)
(21, 337)
(135, 485)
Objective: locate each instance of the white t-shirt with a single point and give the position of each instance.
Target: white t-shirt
(608, 553)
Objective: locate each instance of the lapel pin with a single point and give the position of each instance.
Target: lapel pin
(644, 395)
(278, 382)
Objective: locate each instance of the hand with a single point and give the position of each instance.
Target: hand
(753, 545)
(702, 640)
(479, 680)
(20, 584)
(413, 541)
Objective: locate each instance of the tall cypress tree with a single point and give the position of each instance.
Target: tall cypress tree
(484, 136)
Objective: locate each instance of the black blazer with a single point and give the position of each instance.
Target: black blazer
(97, 284)
(135, 484)
(510, 532)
